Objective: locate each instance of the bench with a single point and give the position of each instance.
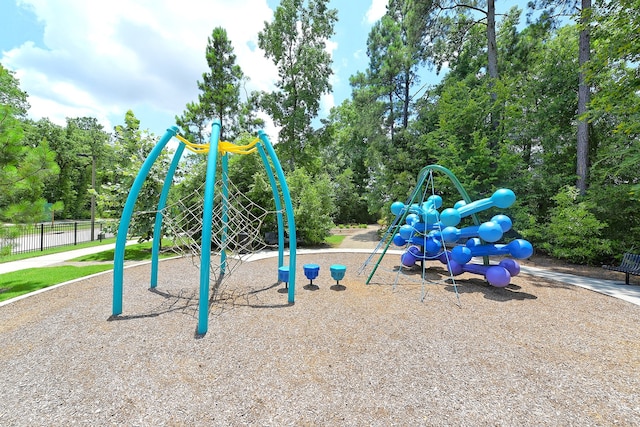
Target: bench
(630, 265)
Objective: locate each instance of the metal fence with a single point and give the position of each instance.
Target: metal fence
(38, 237)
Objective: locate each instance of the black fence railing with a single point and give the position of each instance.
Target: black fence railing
(41, 236)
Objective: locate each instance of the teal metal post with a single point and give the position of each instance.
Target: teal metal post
(127, 213)
(289, 210)
(276, 198)
(225, 213)
(207, 218)
(162, 203)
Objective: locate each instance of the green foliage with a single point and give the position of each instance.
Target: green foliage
(312, 199)
(574, 233)
(296, 43)
(24, 165)
(132, 147)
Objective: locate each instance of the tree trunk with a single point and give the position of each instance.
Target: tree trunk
(492, 69)
(492, 49)
(583, 101)
(405, 112)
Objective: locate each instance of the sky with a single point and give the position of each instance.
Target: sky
(79, 58)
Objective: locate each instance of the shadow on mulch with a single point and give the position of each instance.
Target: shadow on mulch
(508, 293)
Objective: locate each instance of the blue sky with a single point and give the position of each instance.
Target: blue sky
(99, 59)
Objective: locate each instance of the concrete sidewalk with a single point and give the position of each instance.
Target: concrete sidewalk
(364, 241)
(52, 259)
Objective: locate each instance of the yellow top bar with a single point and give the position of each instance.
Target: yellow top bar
(223, 146)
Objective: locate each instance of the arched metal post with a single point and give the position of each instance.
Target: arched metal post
(162, 203)
(278, 202)
(125, 219)
(289, 211)
(225, 212)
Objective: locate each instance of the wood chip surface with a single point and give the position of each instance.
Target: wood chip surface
(397, 352)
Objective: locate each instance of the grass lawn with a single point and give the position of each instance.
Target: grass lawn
(22, 282)
(334, 240)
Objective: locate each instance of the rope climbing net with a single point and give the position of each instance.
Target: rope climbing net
(238, 223)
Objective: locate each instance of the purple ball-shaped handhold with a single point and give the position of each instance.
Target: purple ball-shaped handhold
(397, 208)
(450, 234)
(406, 231)
(450, 217)
(521, 249)
(511, 265)
(498, 276)
(461, 254)
(490, 231)
(504, 221)
(415, 250)
(455, 268)
(407, 259)
(412, 219)
(503, 198)
(398, 240)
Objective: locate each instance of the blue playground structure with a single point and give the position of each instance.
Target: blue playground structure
(216, 151)
(425, 233)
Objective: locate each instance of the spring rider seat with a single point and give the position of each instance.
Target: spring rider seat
(283, 276)
(311, 272)
(337, 272)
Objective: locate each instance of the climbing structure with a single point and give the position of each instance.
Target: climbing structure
(425, 233)
(216, 228)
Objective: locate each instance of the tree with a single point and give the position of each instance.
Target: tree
(220, 91)
(556, 9)
(296, 43)
(455, 22)
(24, 166)
(131, 148)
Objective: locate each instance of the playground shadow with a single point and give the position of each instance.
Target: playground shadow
(510, 292)
(172, 302)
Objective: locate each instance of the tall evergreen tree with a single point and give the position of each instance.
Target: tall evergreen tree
(219, 96)
(296, 43)
(24, 165)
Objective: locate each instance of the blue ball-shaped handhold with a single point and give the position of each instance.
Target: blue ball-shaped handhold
(398, 240)
(450, 234)
(459, 204)
(406, 231)
(461, 254)
(504, 221)
(450, 217)
(397, 208)
(490, 231)
(412, 219)
(431, 217)
(436, 201)
(474, 241)
(521, 249)
(503, 198)
(432, 246)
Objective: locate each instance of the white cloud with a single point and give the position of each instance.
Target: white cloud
(103, 58)
(376, 11)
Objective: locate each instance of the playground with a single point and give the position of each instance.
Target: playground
(358, 335)
(537, 352)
